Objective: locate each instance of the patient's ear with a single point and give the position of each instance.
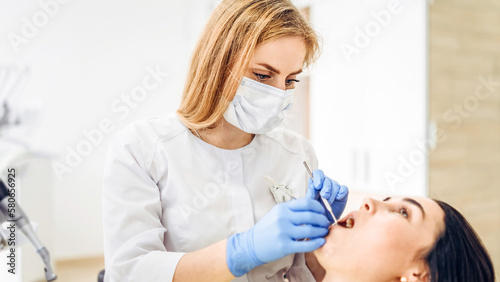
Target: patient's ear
(419, 272)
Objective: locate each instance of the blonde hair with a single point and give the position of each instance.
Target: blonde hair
(225, 49)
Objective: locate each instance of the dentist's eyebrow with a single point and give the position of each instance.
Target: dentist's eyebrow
(275, 70)
(296, 72)
(411, 201)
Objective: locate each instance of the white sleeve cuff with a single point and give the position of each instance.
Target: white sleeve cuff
(156, 266)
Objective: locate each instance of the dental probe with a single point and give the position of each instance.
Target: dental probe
(325, 202)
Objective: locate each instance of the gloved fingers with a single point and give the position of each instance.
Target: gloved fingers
(311, 192)
(342, 194)
(305, 204)
(319, 178)
(307, 231)
(306, 246)
(311, 219)
(329, 190)
(329, 216)
(339, 205)
(315, 184)
(338, 209)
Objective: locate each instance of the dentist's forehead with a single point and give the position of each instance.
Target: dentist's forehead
(285, 54)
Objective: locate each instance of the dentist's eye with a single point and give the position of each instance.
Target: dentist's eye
(261, 77)
(290, 82)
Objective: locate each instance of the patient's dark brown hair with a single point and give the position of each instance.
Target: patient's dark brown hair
(459, 255)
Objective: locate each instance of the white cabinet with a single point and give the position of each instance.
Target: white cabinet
(369, 94)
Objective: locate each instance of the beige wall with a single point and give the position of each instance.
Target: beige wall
(465, 165)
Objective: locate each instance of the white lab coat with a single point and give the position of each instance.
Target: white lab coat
(167, 193)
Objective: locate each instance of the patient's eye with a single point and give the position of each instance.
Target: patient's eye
(403, 212)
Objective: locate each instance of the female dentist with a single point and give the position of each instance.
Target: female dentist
(186, 195)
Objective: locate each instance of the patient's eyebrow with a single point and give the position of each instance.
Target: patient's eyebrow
(411, 201)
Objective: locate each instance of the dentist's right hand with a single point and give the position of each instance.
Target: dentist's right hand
(277, 235)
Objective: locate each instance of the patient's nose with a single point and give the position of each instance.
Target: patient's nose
(369, 205)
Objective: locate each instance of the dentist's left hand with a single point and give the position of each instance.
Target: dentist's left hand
(331, 190)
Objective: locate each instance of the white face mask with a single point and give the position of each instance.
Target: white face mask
(257, 107)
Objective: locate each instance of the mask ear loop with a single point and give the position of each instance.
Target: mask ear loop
(196, 131)
(231, 74)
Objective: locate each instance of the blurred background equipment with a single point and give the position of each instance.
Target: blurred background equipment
(21, 222)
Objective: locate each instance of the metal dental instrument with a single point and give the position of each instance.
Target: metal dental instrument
(325, 202)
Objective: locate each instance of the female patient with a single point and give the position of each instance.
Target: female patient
(404, 239)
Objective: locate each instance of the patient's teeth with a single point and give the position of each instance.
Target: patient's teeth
(349, 223)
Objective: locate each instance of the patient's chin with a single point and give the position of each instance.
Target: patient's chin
(327, 252)
(325, 257)
(324, 252)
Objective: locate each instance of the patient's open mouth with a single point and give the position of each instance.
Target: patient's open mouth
(347, 222)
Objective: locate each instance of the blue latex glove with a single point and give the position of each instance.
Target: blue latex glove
(329, 189)
(277, 235)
